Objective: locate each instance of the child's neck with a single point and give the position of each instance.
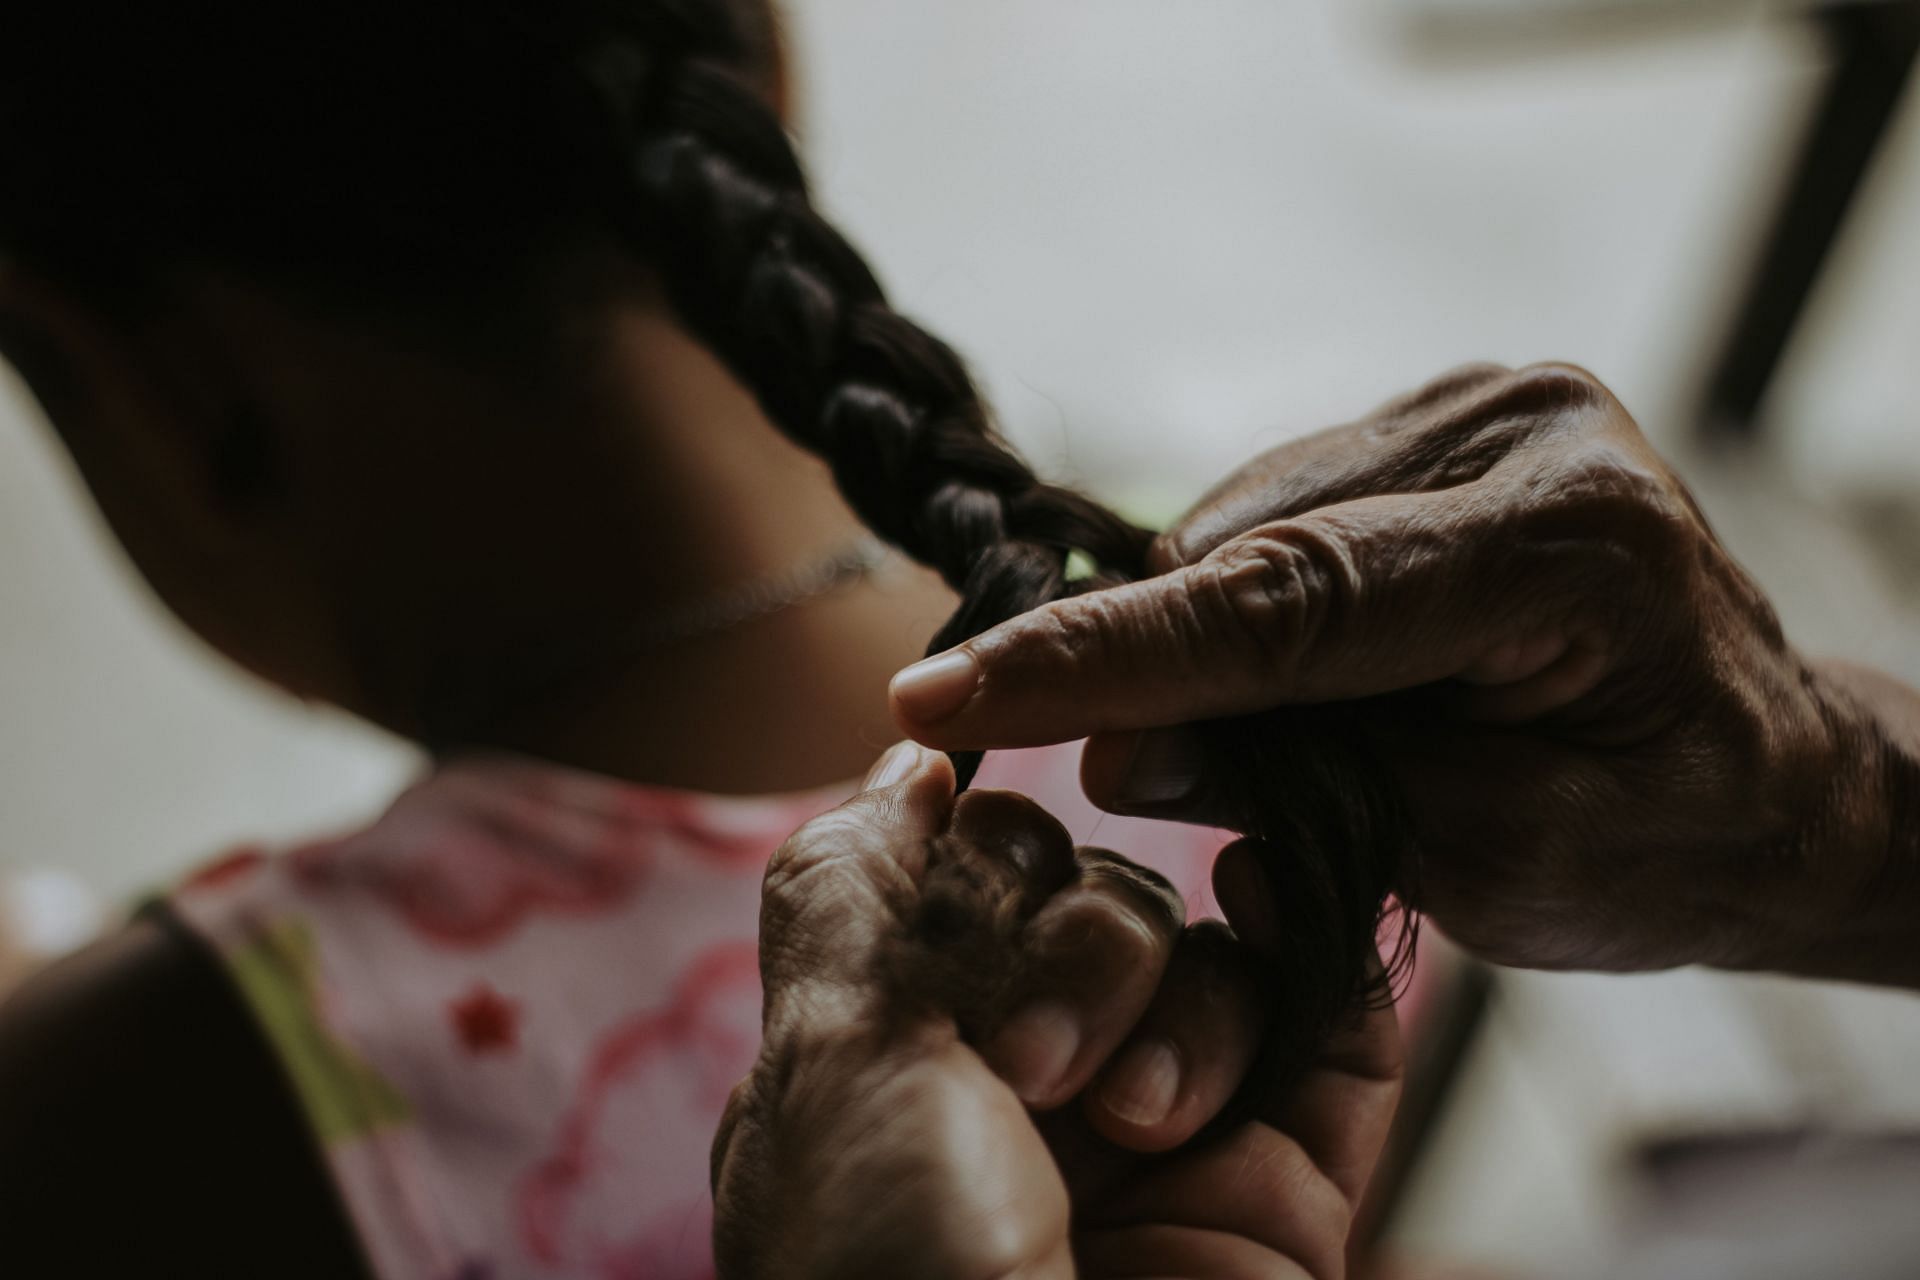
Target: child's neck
(705, 496)
(793, 700)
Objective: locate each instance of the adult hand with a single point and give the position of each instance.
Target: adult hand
(1610, 756)
(874, 1138)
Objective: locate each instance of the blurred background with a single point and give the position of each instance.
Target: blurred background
(1170, 235)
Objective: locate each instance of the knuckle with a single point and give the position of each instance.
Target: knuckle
(820, 840)
(1558, 382)
(786, 865)
(1449, 386)
(837, 854)
(1526, 403)
(1464, 377)
(745, 1097)
(1155, 913)
(1154, 893)
(1471, 421)
(1174, 549)
(1100, 939)
(1099, 631)
(742, 1095)
(1628, 508)
(1276, 591)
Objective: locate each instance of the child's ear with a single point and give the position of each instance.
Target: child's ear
(143, 400)
(246, 470)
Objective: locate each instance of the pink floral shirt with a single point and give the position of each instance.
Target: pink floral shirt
(513, 1007)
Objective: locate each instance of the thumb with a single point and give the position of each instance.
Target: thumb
(834, 889)
(1362, 598)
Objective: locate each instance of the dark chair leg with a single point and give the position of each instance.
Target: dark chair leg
(1438, 1058)
(1874, 44)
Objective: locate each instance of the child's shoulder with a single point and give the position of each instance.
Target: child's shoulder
(136, 1090)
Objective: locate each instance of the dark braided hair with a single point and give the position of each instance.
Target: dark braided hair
(779, 294)
(421, 149)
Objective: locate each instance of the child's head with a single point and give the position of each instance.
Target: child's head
(328, 301)
(283, 277)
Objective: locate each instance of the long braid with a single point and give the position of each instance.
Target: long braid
(755, 270)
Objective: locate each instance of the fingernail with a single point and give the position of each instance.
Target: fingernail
(1165, 769)
(1142, 1087)
(1035, 1049)
(932, 690)
(897, 763)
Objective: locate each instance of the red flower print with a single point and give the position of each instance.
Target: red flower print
(485, 1020)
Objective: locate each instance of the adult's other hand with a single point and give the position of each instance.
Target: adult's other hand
(875, 1138)
(1611, 756)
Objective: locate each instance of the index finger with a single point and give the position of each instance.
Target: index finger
(1366, 597)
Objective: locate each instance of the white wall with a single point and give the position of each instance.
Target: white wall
(1171, 232)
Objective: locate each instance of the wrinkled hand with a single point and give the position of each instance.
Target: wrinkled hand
(1611, 756)
(873, 1139)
